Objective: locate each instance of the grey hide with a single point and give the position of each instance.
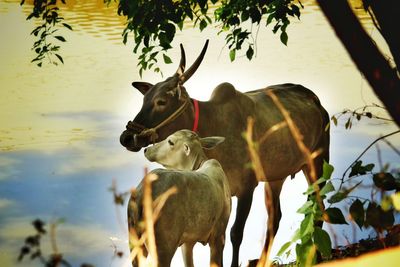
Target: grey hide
(200, 209)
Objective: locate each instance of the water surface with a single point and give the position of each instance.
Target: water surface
(60, 126)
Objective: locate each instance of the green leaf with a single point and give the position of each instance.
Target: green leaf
(337, 197)
(322, 241)
(203, 24)
(396, 200)
(311, 188)
(284, 37)
(60, 58)
(269, 19)
(303, 251)
(386, 203)
(284, 248)
(385, 181)
(167, 59)
(328, 187)
(333, 118)
(356, 169)
(307, 225)
(67, 26)
(60, 38)
(335, 216)
(348, 124)
(250, 53)
(296, 235)
(306, 208)
(378, 218)
(357, 212)
(369, 167)
(327, 170)
(232, 54)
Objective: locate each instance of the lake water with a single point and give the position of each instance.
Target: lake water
(60, 126)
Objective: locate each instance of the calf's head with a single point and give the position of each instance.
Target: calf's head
(182, 150)
(164, 107)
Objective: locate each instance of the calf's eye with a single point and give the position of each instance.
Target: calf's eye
(170, 143)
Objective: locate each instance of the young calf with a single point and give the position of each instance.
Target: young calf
(199, 212)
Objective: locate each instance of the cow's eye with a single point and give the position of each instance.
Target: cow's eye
(161, 102)
(170, 143)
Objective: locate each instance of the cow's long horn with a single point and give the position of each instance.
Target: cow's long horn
(182, 64)
(185, 76)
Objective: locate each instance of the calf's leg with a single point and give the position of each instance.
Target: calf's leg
(216, 250)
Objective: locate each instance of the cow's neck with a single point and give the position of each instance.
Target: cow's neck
(210, 117)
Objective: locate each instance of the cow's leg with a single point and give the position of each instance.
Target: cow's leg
(242, 212)
(272, 192)
(217, 250)
(187, 253)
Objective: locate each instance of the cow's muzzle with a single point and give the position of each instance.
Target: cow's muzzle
(133, 141)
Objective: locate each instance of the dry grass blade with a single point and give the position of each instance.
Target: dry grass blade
(160, 201)
(148, 217)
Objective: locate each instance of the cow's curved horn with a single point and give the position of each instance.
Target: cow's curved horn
(182, 64)
(185, 76)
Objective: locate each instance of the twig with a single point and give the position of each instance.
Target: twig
(363, 152)
(392, 146)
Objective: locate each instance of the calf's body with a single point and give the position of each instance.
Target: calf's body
(198, 212)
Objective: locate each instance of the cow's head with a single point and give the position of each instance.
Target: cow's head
(164, 108)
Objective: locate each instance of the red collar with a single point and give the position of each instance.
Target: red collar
(196, 115)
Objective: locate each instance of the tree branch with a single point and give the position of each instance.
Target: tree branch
(367, 57)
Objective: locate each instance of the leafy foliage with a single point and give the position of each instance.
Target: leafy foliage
(310, 236)
(47, 32)
(154, 23)
(365, 213)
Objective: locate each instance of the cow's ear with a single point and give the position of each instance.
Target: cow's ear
(211, 142)
(143, 87)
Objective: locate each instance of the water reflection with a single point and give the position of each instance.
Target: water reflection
(60, 125)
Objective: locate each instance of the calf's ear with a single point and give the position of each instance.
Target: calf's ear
(143, 87)
(211, 142)
(186, 148)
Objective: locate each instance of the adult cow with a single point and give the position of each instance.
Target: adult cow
(167, 108)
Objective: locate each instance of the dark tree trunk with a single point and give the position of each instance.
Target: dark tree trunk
(367, 57)
(387, 15)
